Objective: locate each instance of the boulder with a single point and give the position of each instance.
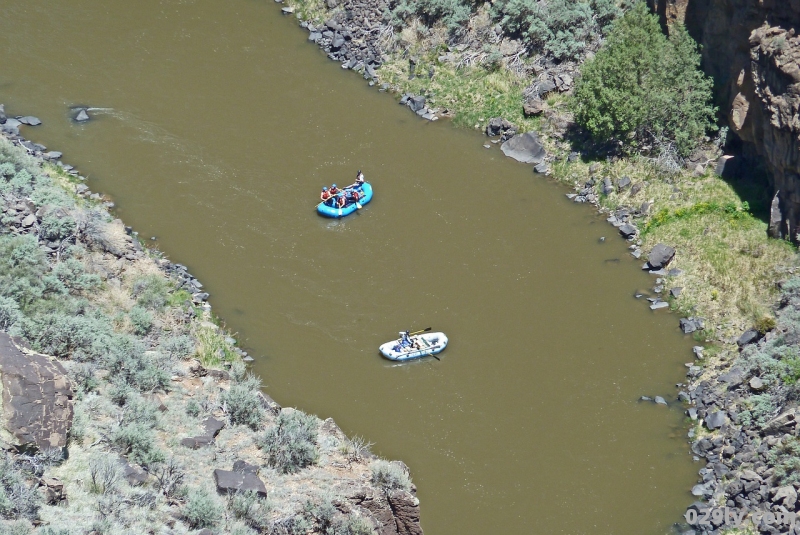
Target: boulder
(30, 120)
(229, 481)
(675, 292)
(37, 398)
(53, 490)
(525, 148)
(783, 423)
(416, 103)
(628, 231)
(756, 384)
(245, 468)
(497, 126)
(690, 325)
(608, 188)
(786, 496)
(775, 229)
(727, 167)
(541, 168)
(211, 427)
(534, 107)
(660, 256)
(748, 337)
(623, 183)
(546, 86)
(660, 401)
(405, 507)
(715, 420)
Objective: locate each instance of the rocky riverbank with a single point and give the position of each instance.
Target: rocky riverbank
(128, 408)
(712, 262)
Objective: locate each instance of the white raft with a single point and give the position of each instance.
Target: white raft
(422, 345)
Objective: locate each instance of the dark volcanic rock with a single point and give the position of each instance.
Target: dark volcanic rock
(628, 231)
(715, 420)
(416, 103)
(533, 107)
(30, 120)
(660, 256)
(748, 337)
(525, 148)
(212, 427)
(37, 398)
(228, 481)
(405, 507)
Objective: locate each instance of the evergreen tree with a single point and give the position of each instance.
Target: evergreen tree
(642, 87)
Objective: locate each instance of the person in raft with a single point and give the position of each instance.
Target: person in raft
(353, 196)
(325, 196)
(359, 181)
(342, 201)
(334, 190)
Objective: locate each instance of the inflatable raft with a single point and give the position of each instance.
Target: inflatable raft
(422, 346)
(328, 211)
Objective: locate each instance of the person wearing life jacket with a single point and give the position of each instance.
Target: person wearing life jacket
(334, 190)
(353, 195)
(325, 195)
(405, 340)
(342, 201)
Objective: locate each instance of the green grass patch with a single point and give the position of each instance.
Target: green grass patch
(178, 298)
(473, 94)
(212, 350)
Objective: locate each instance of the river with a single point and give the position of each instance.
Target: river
(217, 123)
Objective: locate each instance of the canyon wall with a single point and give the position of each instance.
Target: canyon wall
(751, 50)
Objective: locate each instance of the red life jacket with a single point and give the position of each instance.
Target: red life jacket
(342, 201)
(334, 191)
(325, 195)
(356, 196)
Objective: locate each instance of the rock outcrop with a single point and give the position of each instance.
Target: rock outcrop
(36, 399)
(751, 50)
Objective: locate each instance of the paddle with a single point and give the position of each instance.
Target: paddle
(426, 329)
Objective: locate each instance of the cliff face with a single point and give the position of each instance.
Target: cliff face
(751, 49)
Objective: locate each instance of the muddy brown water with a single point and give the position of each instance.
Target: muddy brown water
(217, 123)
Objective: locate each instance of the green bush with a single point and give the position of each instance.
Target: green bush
(242, 404)
(54, 228)
(72, 274)
(561, 28)
(138, 443)
(82, 337)
(9, 313)
(18, 497)
(761, 407)
(249, 507)
(786, 461)
(127, 361)
(389, 475)
(201, 510)
(141, 320)
(291, 444)
(452, 13)
(177, 346)
(193, 408)
(152, 291)
(22, 265)
(642, 88)
(105, 473)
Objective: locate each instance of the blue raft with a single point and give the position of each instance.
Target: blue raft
(329, 211)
